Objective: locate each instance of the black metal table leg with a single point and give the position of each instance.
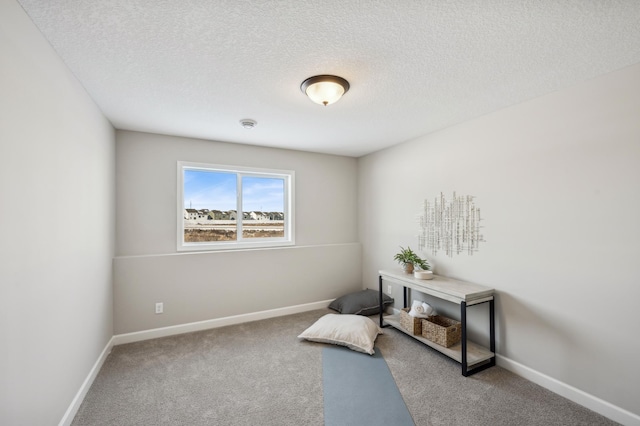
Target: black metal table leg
(380, 298)
(406, 296)
(492, 329)
(492, 340)
(463, 338)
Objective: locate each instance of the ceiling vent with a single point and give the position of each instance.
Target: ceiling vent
(248, 123)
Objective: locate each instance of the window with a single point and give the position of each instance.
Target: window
(226, 207)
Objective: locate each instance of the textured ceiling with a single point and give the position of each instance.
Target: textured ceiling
(196, 67)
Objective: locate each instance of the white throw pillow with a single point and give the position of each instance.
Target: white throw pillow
(353, 331)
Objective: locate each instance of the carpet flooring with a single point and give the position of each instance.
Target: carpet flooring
(260, 373)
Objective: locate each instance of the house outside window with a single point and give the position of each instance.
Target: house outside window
(227, 207)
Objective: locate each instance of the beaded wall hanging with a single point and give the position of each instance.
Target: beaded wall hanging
(452, 226)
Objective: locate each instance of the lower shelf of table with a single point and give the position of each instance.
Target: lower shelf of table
(475, 353)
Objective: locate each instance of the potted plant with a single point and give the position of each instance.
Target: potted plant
(408, 259)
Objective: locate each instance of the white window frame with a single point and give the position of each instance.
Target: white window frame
(289, 217)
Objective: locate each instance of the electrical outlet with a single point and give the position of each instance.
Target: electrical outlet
(389, 289)
(159, 308)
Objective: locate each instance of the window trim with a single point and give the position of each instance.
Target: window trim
(289, 222)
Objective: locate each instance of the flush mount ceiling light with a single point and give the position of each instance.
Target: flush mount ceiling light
(248, 123)
(324, 89)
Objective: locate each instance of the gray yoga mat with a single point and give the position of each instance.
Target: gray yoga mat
(359, 390)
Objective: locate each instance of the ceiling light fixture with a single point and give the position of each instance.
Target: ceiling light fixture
(248, 123)
(325, 89)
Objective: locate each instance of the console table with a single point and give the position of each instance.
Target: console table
(472, 357)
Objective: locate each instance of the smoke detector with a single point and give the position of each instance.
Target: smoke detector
(248, 123)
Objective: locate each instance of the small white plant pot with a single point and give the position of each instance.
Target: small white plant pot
(423, 275)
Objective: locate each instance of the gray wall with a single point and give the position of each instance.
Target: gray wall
(57, 227)
(324, 264)
(556, 179)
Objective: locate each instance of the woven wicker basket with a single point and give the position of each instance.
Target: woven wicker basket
(441, 330)
(411, 324)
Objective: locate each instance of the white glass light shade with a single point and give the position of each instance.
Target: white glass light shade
(325, 89)
(325, 92)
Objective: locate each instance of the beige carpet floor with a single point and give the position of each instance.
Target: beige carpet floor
(259, 373)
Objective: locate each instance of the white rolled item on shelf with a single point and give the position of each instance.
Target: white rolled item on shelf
(428, 310)
(420, 309)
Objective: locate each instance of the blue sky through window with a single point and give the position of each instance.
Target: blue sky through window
(262, 194)
(217, 191)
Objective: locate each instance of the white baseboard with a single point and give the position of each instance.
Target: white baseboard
(138, 336)
(77, 400)
(589, 401)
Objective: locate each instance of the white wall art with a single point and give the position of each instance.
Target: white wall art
(452, 226)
